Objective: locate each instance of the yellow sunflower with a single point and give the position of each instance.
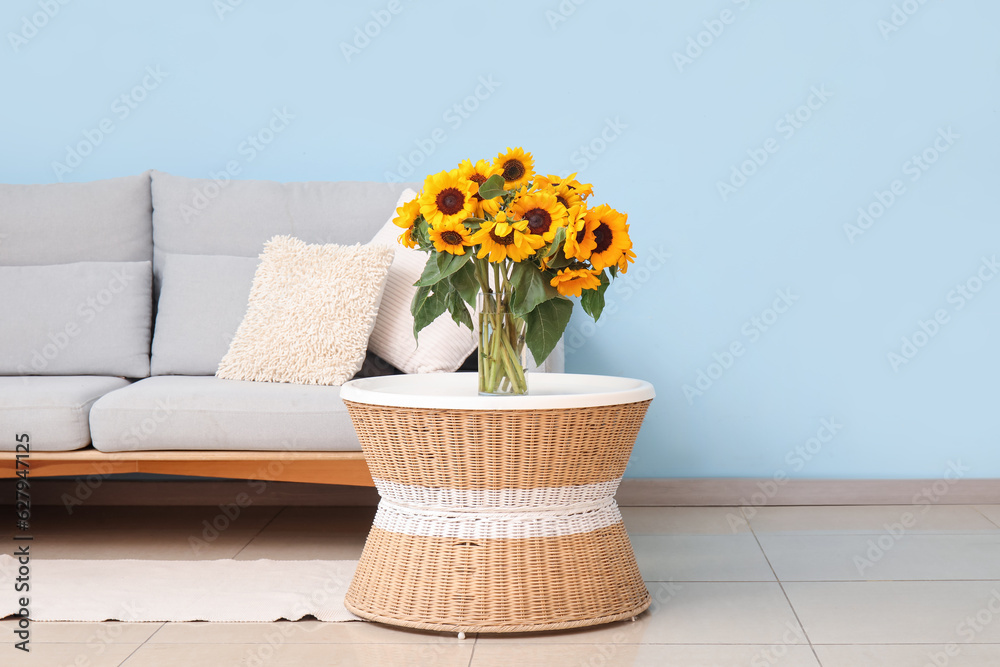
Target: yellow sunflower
(478, 173)
(543, 212)
(504, 238)
(572, 282)
(406, 238)
(578, 245)
(569, 190)
(627, 256)
(447, 198)
(605, 236)
(516, 167)
(450, 237)
(407, 214)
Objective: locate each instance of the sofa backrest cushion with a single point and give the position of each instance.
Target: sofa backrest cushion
(207, 217)
(84, 318)
(60, 223)
(202, 301)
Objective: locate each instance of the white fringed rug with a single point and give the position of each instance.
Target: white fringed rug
(225, 591)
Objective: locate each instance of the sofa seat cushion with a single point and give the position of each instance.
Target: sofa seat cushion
(52, 410)
(193, 413)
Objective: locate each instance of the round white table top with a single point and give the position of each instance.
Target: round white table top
(460, 391)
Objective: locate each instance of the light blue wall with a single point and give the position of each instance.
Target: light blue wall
(672, 131)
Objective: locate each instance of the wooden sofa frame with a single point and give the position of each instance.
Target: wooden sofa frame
(347, 468)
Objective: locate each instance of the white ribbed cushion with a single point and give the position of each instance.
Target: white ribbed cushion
(443, 345)
(311, 310)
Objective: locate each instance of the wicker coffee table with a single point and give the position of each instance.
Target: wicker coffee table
(497, 513)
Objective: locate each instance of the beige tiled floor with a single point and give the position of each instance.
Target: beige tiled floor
(774, 586)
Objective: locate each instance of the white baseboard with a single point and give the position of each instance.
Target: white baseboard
(633, 492)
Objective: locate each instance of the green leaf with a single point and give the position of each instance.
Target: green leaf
(440, 265)
(559, 260)
(427, 306)
(546, 324)
(557, 242)
(465, 283)
(531, 287)
(592, 300)
(459, 311)
(492, 187)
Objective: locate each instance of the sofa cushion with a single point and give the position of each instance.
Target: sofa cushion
(311, 310)
(190, 413)
(443, 345)
(201, 216)
(60, 223)
(53, 411)
(85, 318)
(203, 299)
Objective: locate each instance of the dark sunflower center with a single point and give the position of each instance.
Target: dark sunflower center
(502, 240)
(604, 236)
(562, 200)
(451, 237)
(513, 170)
(480, 179)
(539, 220)
(450, 201)
(580, 234)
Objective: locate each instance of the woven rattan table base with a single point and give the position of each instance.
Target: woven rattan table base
(497, 520)
(498, 585)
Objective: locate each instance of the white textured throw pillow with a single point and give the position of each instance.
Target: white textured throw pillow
(443, 345)
(311, 310)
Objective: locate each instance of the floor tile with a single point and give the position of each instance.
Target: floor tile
(701, 558)
(95, 634)
(297, 655)
(690, 613)
(898, 612)
(992, 512)
(60, 655)
(684, 520)
(298, 632)
(303, 545)
(868, 519)
(633, 655)
(904, 556)
(914, 655)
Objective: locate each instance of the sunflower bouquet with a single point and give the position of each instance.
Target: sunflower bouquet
(514, 245)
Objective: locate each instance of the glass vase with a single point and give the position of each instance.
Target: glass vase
(503, 356)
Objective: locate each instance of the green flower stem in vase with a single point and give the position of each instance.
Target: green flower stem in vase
(502, 353)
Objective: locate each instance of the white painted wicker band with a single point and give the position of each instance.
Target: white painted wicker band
(506, 523)
(494, 499)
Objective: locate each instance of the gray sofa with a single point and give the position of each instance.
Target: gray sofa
(133, 279)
